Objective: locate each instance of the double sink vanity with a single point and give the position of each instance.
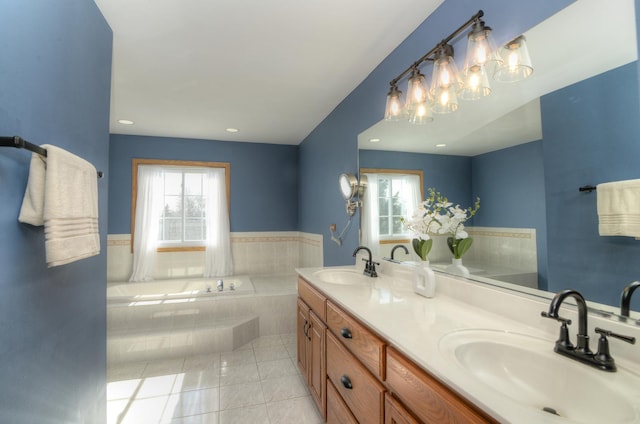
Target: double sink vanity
(373, 351)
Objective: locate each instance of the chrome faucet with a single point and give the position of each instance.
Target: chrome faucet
(370, 267)
(398, 246)
(625, 299)
(220, 285)
(581, 352)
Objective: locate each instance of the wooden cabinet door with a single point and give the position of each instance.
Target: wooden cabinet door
(317, 364)
(303, 338)
(394, 413)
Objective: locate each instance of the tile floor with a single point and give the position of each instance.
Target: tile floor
(256, 384)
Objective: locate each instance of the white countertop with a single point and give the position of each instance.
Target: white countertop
(415, 325)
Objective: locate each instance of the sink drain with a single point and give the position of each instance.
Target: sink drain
(550, 410)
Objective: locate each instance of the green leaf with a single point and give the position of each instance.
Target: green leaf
(463, 246)
(422, 247)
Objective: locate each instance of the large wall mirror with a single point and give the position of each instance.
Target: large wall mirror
(528, 148)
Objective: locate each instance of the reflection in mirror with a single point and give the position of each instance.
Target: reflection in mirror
(526, 152)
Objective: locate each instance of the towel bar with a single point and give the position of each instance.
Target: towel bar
(21, 143)
(587, 188)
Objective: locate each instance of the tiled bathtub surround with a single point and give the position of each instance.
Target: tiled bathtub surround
(169, 328)
(254, 253)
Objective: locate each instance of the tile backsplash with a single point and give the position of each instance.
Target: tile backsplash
(254, 253)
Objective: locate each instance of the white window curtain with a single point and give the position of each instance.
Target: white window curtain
(410, 196)
(149, 204)
(370, 216)
(218, 259)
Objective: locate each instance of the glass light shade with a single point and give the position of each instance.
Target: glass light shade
(476, 83)
(516, 63)
(416, 90)
(421, 114)
(445, 83)
(480, 47)
(394, 110)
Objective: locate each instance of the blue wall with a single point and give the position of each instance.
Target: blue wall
(55, 76)
(516, 174)
(450, 175)
(586, 143)
(264, 189)
(331, 148)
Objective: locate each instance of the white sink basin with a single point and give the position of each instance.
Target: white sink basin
(343, 276)
(526, 370)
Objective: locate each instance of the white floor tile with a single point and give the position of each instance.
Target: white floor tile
(289, 338)
(238, 374)
(145, 410)
(270, 353)
(267, 341)
(294, 411)
(240, 395)
(276, 369)
(237, 357)
(163, 367)
(124, 389)
(196, 380)
(128, 371)
(211, 418)
(156, 386)
(251, 414)
(201, 362)
(116, 410)
(190, 403)
(283, 388)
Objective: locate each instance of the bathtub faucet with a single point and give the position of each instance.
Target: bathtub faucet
(220, 285)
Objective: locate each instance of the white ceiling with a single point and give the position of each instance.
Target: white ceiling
(273, 69)
(582, 40)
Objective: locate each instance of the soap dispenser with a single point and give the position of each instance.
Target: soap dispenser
(424, 281)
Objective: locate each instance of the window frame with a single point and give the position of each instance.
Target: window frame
(418, 172)
(135, 162)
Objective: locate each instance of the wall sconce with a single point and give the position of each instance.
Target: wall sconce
(352, 191)
(511, 63)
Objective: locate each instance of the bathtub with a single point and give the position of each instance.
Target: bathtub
(165, 319)
(176, 290)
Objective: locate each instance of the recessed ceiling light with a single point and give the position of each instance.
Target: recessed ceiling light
(231, 130)
(374, 140)
(441, 145)
(125, 122)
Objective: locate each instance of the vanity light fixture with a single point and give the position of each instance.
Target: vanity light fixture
(511, 63)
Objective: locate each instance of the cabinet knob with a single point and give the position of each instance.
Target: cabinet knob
(346, 382)
(346, 333)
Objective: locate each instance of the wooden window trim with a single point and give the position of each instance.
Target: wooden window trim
(135, 162)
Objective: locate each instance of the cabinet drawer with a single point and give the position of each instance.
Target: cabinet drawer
(394, 413)
(364, 345)
(313, 298)
(360, 390)
(428, 399)
(337, 411)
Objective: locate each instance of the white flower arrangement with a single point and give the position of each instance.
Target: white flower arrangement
(436, 215)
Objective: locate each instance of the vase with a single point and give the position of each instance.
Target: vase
(457, 268)
(424, 281)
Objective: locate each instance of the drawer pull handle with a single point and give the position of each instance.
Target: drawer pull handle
(346, 333)
(346, 382)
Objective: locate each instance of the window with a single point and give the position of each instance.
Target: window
(183, 212)
(392, 205)
(182, 224)
(391, 196)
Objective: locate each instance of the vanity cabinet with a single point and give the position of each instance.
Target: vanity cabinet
(355, 377)
(429, 400)
(311, 335)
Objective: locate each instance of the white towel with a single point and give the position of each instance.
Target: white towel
(62, 194)
(619, 208)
